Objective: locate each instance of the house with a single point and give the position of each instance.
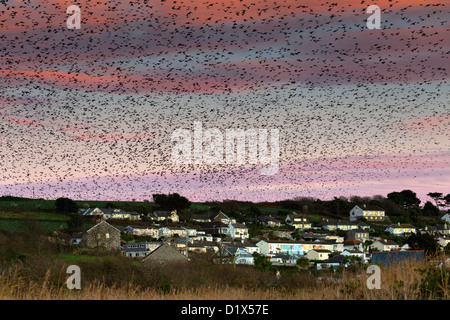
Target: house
(245, 245)
(269, 247)
(164, 215)
(331, 263)
(222, 217)
(240, 255)
(400, 229)
(202, 218)
(142, 231)
(269, 221)
(438, 230)
(357, 234)
(165, 253)
(107, 213)
(353, 244)
(94, 212)
(354, 253)
(216, 227)
(317, 254)
(284, 259)
(190, 232)
(201, 236)
(102, 235)
(298, 221)
(384, 245)
(338, 225)
(369, 212)
(238, 230)
(202, 246)
(443, 241)
(389, 257)
(139, 249)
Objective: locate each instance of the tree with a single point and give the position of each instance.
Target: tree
(406, 199)
(171, 202)
(75, 222)
(423, 241)
(302, 263)
(430, 210)
(262, 262)
(436, 196)
(66, 205)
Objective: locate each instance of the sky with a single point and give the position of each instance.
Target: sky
(90, 113)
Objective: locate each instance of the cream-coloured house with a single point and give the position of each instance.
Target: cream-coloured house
(298, 221)
(164, 215)
(318, 254)
(384, 245)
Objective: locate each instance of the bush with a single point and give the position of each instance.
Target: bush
(435, 283)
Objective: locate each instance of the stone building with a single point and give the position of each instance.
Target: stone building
(102, 235)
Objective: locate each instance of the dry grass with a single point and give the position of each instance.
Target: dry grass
(398, 282)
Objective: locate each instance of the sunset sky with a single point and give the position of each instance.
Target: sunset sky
(89, 113)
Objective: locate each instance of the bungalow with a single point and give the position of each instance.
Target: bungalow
(269, 221)
(369, 212)
(298, 221)
(384, 245)
(400, 230)
(318, 254)
(354, 253)
(164, 215)
(332, 263)
(238, 230)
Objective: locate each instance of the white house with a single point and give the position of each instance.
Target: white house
(370, 212)
(238, 230)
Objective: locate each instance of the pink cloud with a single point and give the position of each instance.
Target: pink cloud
(437, 121)
(24, 121)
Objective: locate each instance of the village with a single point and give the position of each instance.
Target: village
(291, 240)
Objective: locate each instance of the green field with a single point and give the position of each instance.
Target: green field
(17, 221)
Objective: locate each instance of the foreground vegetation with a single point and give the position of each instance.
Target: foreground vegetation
(34, 267)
